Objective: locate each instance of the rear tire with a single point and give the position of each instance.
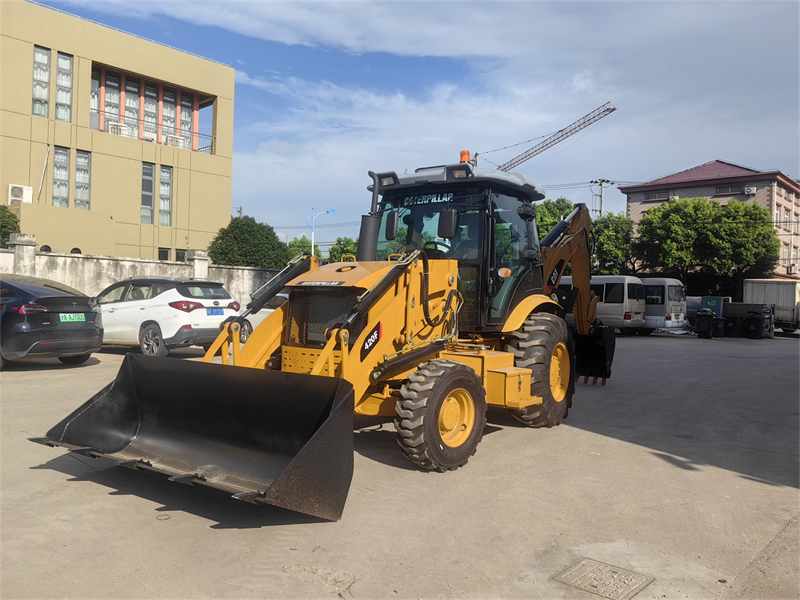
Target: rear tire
(441, 415)
(543, 345)
(628, 330)
(74, 360)
(151, 342)
(644, 331)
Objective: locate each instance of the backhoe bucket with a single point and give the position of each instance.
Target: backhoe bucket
(594, 352)
(269, 437)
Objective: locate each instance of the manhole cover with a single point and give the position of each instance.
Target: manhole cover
(604, 580)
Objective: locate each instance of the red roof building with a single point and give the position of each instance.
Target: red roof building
(723, 181)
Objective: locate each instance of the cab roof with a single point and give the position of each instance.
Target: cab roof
(457, 173)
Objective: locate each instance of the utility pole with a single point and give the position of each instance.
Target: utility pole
(602, 183)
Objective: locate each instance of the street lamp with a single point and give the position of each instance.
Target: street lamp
(313, 218)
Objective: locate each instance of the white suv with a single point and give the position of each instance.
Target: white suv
(161, 313)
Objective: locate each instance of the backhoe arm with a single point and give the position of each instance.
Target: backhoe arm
(568, 242)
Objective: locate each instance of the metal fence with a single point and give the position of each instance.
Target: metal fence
(143, 129)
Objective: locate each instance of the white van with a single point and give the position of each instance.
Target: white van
(622, 302)
(665, 300)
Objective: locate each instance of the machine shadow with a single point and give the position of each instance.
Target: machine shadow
(204, 502)
(728, 403)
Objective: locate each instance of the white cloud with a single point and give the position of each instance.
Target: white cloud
(693, 82)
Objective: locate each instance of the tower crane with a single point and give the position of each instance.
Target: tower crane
(559, 136)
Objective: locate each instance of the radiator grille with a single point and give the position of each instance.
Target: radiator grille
(313, 311)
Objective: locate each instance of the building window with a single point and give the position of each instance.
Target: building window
(180, 255)
(731, 189)
(148, 171)
(111, 107)
(187, 119)
(163, 253)
(165, 197)
(63, 87)
(786, 254)
(657, 196)
(796, 223)
(132, 106)
(168, 116)
(777, 215)
(787, 219)
(41, 80)
(794, 255)
(150, 113)
(61, 177)
(83, 176)
(94, 100)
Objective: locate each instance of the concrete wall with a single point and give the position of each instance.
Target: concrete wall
(92, 274)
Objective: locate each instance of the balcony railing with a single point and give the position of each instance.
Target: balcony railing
(148, 131)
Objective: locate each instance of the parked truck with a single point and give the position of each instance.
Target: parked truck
(783, 294)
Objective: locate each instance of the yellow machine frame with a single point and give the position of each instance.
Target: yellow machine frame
(403, 328)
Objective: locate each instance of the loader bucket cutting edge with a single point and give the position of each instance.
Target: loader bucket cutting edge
(594, 352)
(277, 438)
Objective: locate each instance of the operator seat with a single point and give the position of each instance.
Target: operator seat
(468, 248)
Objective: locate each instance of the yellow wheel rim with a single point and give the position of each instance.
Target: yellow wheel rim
(456, 417)
(559, 372)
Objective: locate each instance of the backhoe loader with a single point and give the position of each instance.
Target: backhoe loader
(450, 305)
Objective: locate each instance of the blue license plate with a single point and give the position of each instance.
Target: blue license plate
(214, 311)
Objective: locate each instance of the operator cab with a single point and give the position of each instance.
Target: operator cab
(474, 216)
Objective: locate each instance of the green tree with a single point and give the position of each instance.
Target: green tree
(303, 244)
(715, 247)
(612, 235)
(550, 212)
(343, 245)
(246, 243)
(9, 223)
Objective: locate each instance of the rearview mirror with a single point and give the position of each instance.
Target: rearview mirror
(448, 221)
(392, 223)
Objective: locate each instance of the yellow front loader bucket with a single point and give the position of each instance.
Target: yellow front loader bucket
(269, 437)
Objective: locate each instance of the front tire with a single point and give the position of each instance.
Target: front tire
(544, 346)
(441, 415)
(644, 331)
(74, 360)
(152, 343)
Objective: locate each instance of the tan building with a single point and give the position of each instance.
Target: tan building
(723, 181)
(111, 144)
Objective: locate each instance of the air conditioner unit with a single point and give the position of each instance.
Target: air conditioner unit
(750, 190)
(674, 198)
(175, 141)
(114, 127)
(791, 269)
(20, 193)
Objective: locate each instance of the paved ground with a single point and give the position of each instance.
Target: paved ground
(684, 468)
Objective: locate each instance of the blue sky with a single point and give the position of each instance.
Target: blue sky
(327, 91)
